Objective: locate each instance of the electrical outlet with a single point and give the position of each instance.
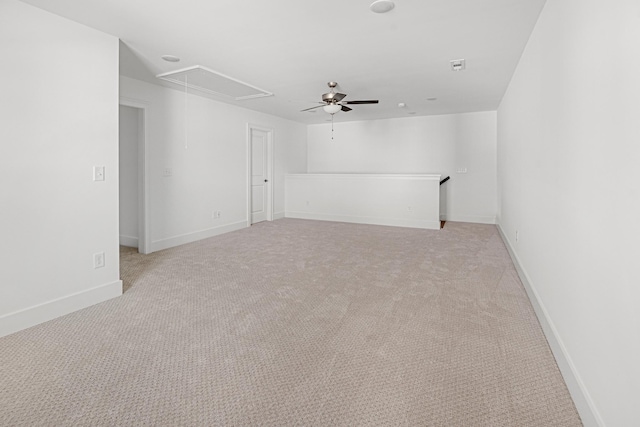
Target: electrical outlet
(218, 213)
(167, 172)
(410, 208)
(98, 260)
(461, 170)
(98, 173)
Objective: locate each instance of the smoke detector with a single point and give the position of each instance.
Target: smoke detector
(457, 64)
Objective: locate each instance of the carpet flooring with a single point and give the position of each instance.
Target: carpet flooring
(292, 323)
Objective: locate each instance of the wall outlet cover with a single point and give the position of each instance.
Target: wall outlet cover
(98, 260)
(98, 173)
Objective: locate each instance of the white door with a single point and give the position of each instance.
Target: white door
(259, 175)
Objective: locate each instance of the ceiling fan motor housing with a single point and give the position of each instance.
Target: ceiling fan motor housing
(328, 97)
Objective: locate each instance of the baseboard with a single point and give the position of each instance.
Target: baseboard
(394, 222)
(278, 215)
(28, 317)
(477, 219)
(581, 397)
(128, 241)
(171, 242)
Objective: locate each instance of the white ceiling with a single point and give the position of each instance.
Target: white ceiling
(292, 48)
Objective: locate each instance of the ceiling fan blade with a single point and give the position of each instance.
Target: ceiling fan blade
(338, 97)
(345, 108)
(312, 108)
(371, 101)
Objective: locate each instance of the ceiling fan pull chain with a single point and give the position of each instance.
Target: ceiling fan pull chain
(332, 126)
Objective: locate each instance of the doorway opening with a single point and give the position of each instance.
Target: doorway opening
(133, 192)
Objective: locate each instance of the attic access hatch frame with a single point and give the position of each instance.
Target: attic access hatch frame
(197, 76)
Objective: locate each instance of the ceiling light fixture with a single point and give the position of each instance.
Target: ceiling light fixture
(382, 6)
(170, 58)
(332, 108)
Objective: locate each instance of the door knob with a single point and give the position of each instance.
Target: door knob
(266, 180)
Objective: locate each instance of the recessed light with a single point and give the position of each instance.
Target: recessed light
(382, 6)
(432, 99)
(170, 58)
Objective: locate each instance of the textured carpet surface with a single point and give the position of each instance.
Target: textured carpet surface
(297, 322)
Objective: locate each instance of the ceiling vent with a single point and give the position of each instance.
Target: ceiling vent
(457, 65)
(205, 80)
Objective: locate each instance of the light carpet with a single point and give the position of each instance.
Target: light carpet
(292, 323)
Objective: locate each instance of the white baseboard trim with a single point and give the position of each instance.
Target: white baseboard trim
(278, 215)
(394, 222)
(477, 219)
(31, 316)
(581, 397)
(171, 242)
(129, 241)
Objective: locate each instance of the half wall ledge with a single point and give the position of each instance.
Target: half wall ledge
(401, 200)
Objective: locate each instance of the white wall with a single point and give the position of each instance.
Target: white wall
(59, 118)
(433, 144)
(207, 155)
(569, 150)
(128, 158)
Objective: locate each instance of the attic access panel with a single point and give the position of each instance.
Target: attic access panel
(205, 80)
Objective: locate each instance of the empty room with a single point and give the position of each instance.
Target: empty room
(336, 213)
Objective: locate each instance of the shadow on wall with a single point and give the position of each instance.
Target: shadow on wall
(135, 65)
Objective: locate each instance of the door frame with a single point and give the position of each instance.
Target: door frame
(269, 202)
(144, 244)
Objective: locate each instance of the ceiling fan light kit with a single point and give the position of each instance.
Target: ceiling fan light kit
(382, 6)
(332, 108)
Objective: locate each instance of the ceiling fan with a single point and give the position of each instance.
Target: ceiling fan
(332, 102)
